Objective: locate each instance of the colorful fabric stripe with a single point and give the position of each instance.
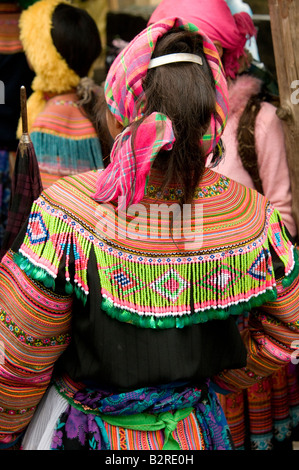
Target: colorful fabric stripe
(49, 178)
(233, 406)
(188, 434)
(9, 29)
(35, 321)
(64, 140)
(62, 116)
(140, 284)
(85, 412)
(269, 327)
(34, 326)
(272, 408)
(271, 404)
(265, 413)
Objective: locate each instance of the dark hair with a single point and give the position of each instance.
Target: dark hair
(185, 92)
(76, 37)
(246, 134)
(95, 109)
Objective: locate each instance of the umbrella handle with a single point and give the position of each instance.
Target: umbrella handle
(23, 98)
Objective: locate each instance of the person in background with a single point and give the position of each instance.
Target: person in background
(230, 34)
(14, 72)
(265, 415)
(63, 110)
(112, 335)
(237, 6)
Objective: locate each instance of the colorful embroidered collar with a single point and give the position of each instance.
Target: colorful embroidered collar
(165, 283)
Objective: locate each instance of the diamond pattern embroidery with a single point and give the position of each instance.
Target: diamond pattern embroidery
(124, 279)
(258, 269)
(170, 285)
(36, 230)
(222, 280)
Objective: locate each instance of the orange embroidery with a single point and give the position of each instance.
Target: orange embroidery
(123, 441)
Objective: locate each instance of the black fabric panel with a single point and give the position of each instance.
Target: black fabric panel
(109, 353)
(14, 73)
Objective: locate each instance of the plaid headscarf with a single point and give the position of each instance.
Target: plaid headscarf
(126, 176)
(215, 19)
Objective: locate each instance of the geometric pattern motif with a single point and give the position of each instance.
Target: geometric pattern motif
(37, 231)
(220, 274)
(258, 269)
(126, 281)
(217, 281)
(172, 194)
(170, 285)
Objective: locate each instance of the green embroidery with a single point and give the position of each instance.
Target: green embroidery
(30, 340)
(174, 194)
(153, 292)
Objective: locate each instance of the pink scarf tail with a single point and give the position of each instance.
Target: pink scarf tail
(125, 178)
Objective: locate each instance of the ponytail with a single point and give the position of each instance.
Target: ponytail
(92, 102)
(185, 93)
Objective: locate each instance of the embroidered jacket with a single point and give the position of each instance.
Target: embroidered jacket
(64, 140)
(134, 290)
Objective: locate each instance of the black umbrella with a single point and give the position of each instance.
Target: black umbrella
(26, 182)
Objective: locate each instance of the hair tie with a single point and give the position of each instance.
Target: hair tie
(174, 59)
(84, 90)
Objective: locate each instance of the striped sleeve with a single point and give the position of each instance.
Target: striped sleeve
(34, 331)
(271, 339)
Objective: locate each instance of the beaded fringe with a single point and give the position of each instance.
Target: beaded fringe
(72, 152)
(151, 292)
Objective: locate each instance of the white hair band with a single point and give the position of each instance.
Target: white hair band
(174, 58)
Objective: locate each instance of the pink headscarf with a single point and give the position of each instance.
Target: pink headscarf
(124, 180)
(214, 18)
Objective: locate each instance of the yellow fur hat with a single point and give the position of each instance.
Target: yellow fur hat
(52, 72)
(53, 75)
